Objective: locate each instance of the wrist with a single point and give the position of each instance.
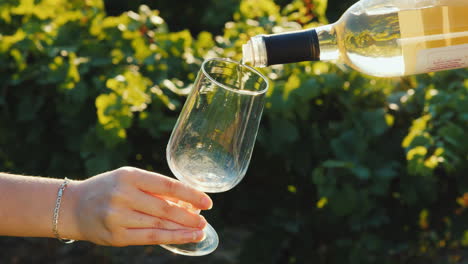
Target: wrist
(68, 226)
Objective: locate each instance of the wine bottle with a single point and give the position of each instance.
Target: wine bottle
(384, 38)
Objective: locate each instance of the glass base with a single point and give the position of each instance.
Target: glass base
(204, 247)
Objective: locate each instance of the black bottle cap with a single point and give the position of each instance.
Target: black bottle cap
(292, 47)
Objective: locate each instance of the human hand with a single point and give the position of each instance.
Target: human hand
(130, 206)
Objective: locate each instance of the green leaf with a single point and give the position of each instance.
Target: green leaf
(308, 90)
(29, 107)
(337, 164)
(453, 134)
(348, 146)
(375, 122)
(98, 164)
(344, 201)
(361, 172)
(387, 172)
(284, 131)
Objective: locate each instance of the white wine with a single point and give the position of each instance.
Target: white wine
(383, 38)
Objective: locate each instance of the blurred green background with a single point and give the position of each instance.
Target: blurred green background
(346, 169)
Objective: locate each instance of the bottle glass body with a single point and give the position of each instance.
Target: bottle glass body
(398, 37)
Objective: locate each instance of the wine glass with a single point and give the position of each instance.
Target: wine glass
(212, 142)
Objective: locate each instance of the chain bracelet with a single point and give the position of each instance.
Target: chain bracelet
(55, 220)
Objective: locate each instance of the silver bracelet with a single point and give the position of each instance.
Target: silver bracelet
(60, 192)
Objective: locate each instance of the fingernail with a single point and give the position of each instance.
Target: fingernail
(198, 235)
(206, 202)
(194, 235)
(202, 222)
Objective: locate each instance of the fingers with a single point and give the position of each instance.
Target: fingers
(140, 220)
(160, 236)
(180, 203)
(187, 206)
(161, 208)
(161, 185)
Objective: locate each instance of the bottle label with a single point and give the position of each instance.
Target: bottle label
(444, 58)
(434, 38)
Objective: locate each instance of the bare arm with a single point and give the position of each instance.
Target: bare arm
(127, 206)
(27, 205)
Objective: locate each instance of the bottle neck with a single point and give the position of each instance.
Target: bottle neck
(327, 42)
(304, 45)
(292, 47)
